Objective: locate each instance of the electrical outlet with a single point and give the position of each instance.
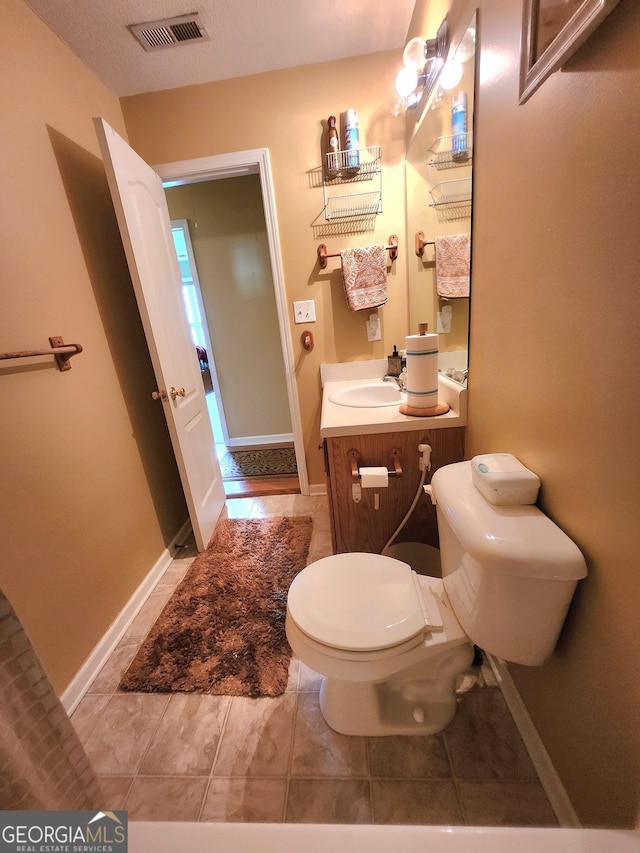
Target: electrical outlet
(444, 319)
(374, 332)
(305, 311)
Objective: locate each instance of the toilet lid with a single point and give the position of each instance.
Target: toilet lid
(357, 601)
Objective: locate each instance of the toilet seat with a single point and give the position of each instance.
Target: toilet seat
(361, 602)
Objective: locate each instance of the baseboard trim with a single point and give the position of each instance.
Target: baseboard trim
(547, 773)
(100, 654)
(318, 490)
(260, 442)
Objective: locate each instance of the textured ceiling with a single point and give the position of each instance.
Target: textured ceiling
(247, 36)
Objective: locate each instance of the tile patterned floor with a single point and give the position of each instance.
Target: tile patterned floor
(217, 758)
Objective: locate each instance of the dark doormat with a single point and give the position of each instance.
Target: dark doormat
(274, 462)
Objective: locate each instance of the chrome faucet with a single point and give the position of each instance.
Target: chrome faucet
(400, 380)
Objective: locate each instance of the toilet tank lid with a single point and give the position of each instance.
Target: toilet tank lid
(518, 540)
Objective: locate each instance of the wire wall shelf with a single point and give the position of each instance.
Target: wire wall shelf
(451, 192)
(360, 164)
(347, 167)
(353, 205)
(451, 152)
(452, 199)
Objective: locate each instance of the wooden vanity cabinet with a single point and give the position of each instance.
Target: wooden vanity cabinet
(367, 525)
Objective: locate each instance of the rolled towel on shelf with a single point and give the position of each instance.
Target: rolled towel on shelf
(364, 273)
(453, 265)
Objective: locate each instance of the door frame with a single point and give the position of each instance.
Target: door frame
(231, 165)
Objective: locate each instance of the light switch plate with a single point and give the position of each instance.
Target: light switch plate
(305, 311)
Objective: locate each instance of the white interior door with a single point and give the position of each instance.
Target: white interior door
(143, 219)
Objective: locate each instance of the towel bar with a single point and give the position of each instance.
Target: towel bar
(392, 248)
(62, 352)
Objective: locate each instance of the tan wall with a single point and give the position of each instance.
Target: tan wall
(553, 371)
(90, 494)
(229, 237)
(284, 111)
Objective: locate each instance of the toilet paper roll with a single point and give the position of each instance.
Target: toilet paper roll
(374, 478)
(422, 371)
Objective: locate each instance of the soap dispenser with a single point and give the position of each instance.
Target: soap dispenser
(394, 363)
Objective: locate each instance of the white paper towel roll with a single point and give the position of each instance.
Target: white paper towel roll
(422, 371)
(374, 478)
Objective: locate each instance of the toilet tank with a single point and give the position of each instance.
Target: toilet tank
(509, 571)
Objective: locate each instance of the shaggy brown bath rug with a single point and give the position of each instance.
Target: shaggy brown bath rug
(222, 631)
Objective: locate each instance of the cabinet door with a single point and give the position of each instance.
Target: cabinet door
(367, 524)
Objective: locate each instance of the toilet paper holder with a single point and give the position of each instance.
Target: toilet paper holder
(354, 456)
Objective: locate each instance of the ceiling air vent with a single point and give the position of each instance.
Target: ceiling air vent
(158, 35)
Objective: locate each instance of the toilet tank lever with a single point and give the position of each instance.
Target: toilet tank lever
(428, 491)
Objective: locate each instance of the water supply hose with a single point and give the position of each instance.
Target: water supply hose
(425, 464)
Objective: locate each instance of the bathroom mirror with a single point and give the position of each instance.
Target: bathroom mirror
(439, 169)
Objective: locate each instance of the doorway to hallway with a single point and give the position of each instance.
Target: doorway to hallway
(253, 465)
(255, 161)
(241, 486)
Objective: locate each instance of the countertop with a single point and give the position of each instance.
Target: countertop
(348, 420)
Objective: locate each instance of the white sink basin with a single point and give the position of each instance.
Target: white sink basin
(369, 395)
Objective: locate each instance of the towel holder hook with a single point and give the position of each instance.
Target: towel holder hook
(421, 243)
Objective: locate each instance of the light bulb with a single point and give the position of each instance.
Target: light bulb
(413, 54)
(451, 75)
(467, 46)
(406, 81)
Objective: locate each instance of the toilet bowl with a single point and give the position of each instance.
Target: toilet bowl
(385, 639)
(390, 643)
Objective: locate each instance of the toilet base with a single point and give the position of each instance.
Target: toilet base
(420, 700)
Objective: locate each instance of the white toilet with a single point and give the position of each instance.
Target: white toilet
(390, 643)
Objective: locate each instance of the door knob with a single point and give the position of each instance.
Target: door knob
(177, 392)
(159, 395)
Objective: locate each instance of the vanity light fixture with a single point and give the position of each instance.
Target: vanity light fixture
(422, 61)
(467, 47)
(451, 75)
(452, 72)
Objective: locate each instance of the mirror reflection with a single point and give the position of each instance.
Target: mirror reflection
(439, 167)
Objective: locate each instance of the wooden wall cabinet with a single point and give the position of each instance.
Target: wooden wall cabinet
(368, 524)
